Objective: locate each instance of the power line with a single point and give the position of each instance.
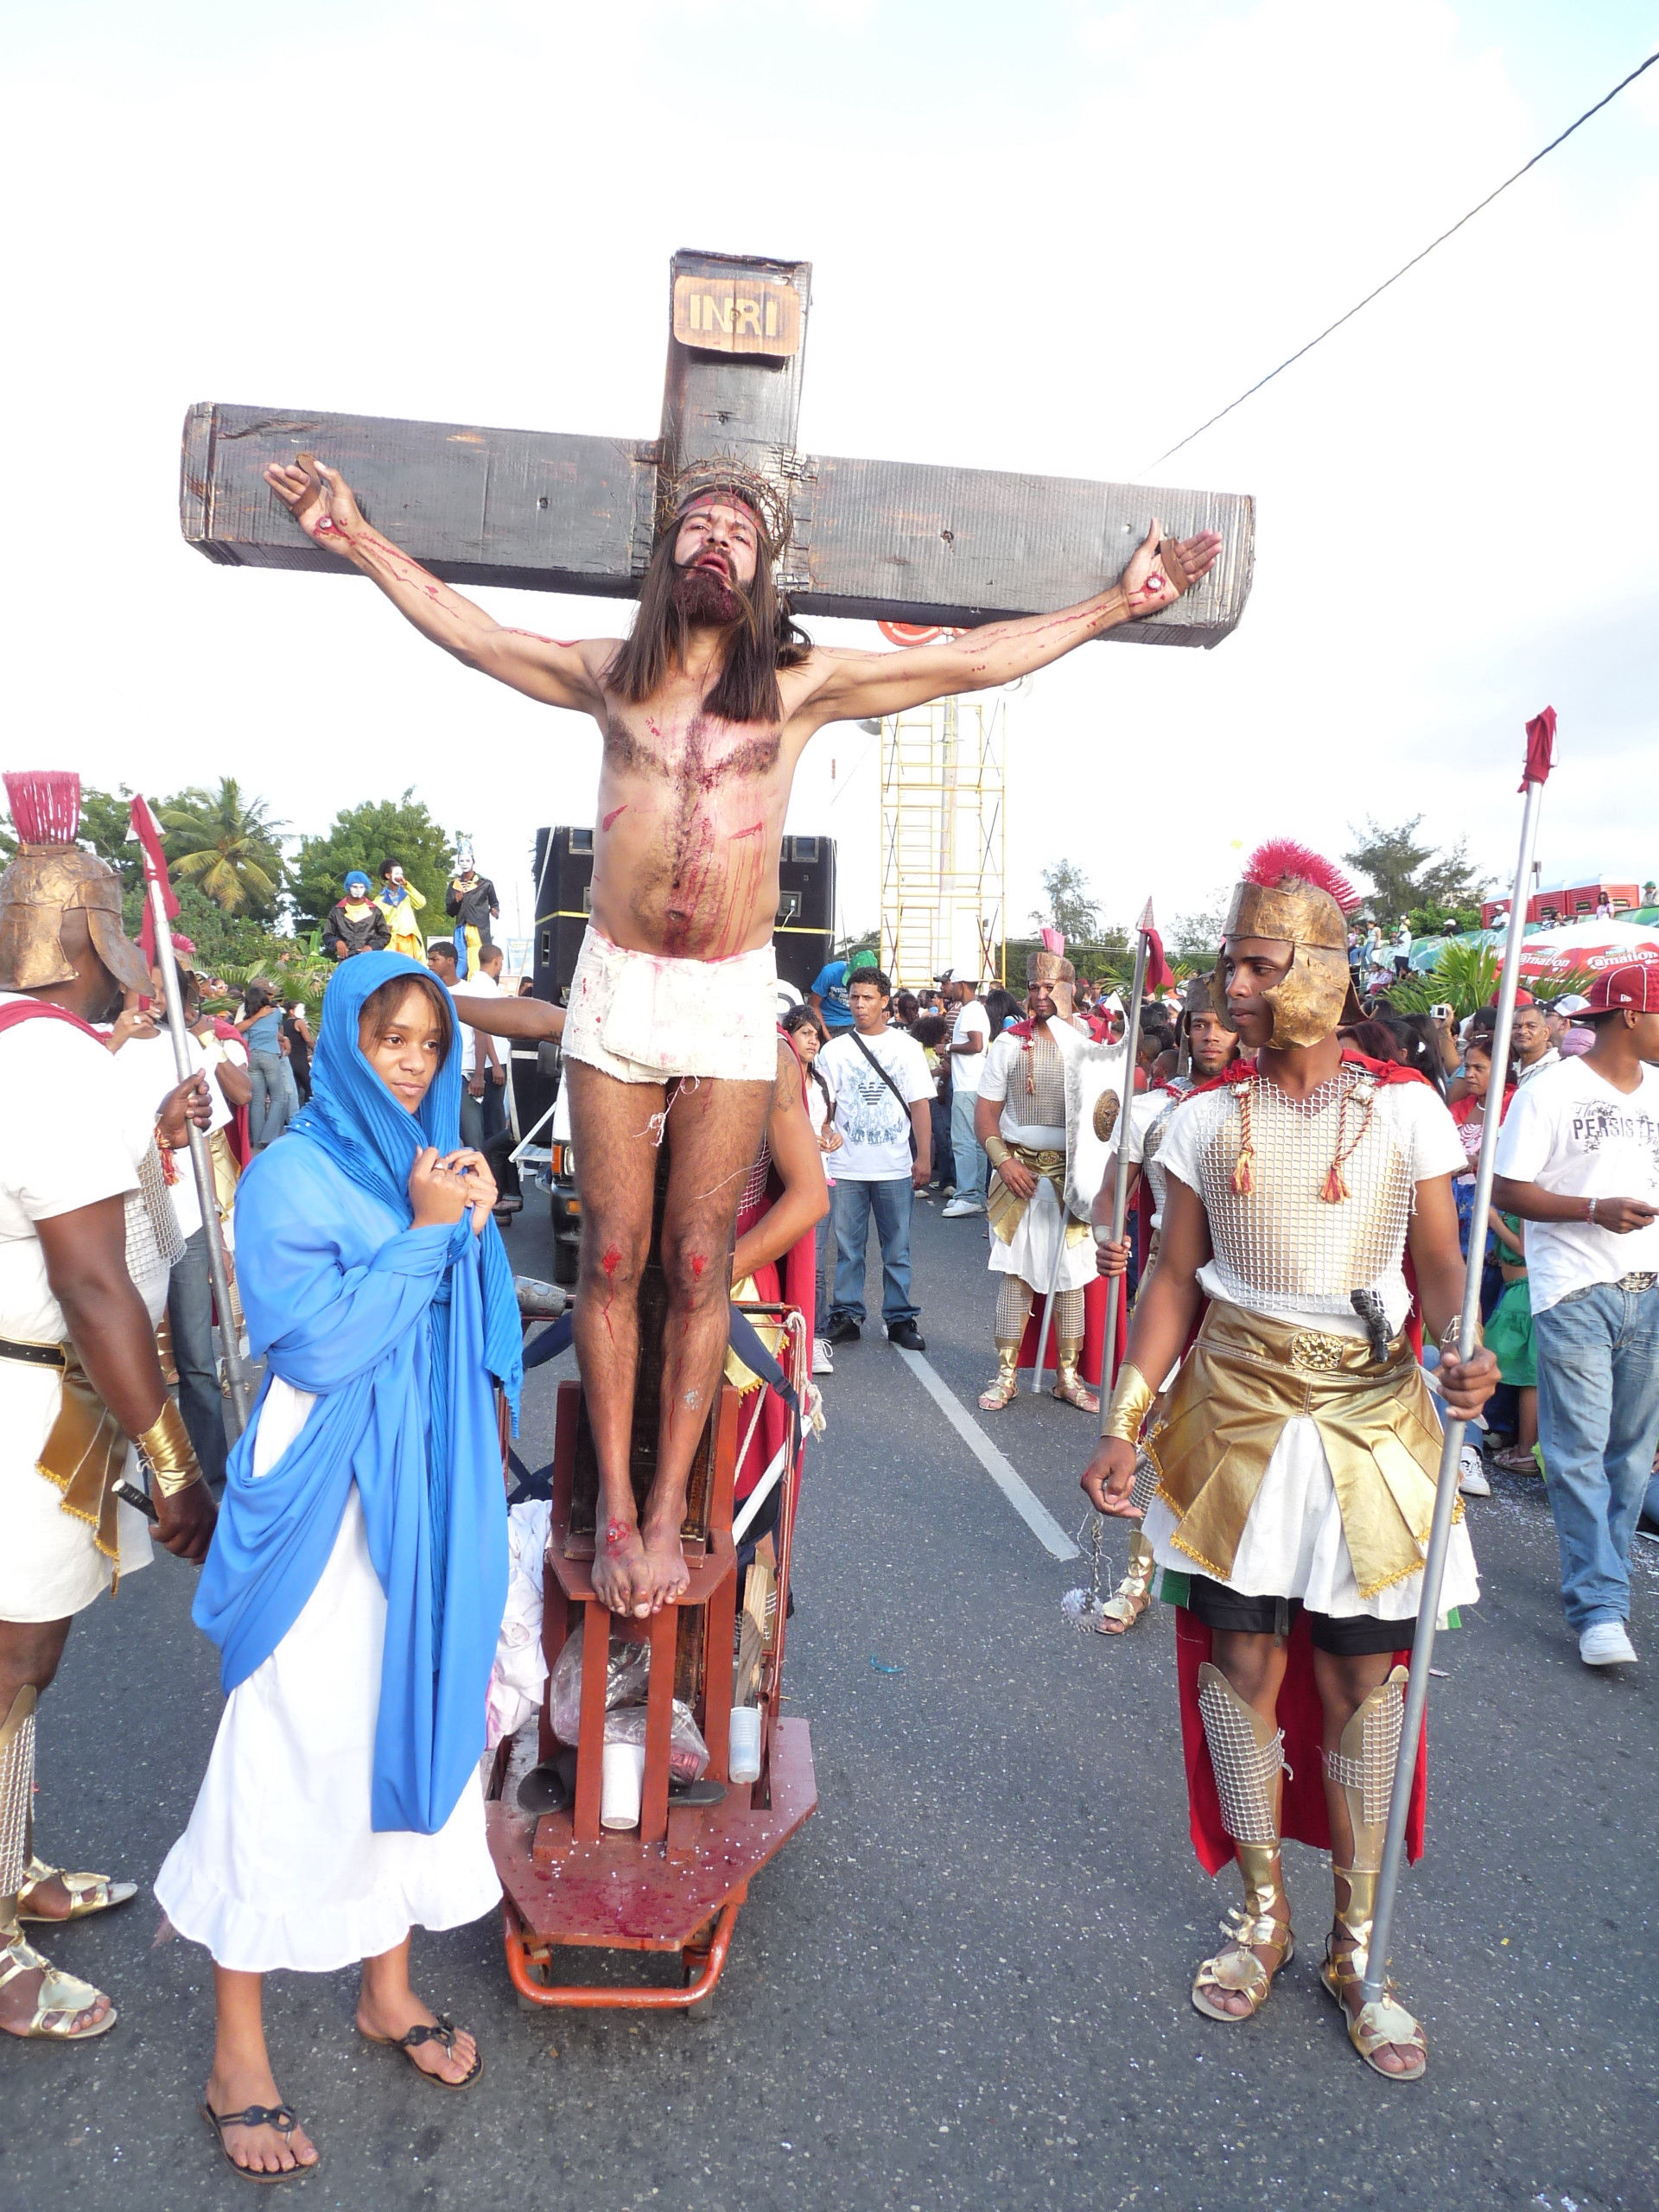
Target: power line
(1399, 273)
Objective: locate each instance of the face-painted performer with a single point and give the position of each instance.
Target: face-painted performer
(704, 710)
(472, 905)
(87, 1238)
(1206, 1047)
(401, 904)
(356, 922)
(1020, 1119)
(1296, 1449)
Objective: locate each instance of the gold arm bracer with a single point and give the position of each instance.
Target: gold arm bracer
(168, 1453)
(1132, 1401)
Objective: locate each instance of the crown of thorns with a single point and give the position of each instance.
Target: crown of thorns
(705, 480)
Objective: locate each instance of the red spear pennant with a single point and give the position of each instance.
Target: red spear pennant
(148, 831)
(1540, 749)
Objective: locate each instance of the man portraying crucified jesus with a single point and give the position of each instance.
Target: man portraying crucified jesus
(704, 709)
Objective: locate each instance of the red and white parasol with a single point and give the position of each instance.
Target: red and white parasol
(1587, 947)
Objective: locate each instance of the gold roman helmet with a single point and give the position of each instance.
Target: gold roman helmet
(50, 875)
(1291, 895)
(1049, 964)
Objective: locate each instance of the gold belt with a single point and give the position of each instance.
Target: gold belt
(1005, 1211)
(1311, 1352)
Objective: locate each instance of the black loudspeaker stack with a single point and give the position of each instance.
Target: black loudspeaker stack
(806, 909)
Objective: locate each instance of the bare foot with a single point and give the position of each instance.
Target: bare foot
(666, 1571)
(258, 2149)
(20, 1997)
(621, 1569)
(390, 2019)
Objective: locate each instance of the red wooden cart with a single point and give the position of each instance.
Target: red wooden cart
(675, 1882)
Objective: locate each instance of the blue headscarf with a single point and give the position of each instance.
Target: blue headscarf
(398, 1331)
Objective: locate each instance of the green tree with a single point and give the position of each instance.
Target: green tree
(1197, 937)
(1070, 909)
(1405, 874)
(365, 836)
(226, 845)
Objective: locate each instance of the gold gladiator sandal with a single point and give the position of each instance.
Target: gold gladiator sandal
(1364, 1769)
(1069, 1386)
(1133, 1595)
(1248, 1756)
(88, 1893)
(61, 1999)
(1005, 1387)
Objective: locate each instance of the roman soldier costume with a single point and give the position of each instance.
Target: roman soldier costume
(1293, 1458)
(1037, 1243)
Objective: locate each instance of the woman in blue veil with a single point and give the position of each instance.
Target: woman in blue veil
(358, 1574)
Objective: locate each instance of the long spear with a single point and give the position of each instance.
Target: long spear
(1146, 936)
(147, 831)
(1541, 744)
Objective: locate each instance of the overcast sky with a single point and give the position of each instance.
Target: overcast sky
(1091, 225)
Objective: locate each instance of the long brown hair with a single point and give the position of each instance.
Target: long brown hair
(763, 639)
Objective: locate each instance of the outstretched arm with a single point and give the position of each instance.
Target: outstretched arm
(530, 1020)
(560, 672)
(856, 684)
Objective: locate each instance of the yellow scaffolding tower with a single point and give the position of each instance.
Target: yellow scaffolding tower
(944, 840)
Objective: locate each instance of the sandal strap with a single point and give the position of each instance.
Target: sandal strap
(1384, 2021)
(282, 2117)
(444, 2032)
(60, 1995)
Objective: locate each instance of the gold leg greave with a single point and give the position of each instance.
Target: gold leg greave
(1004, 1387)
(1247, 1754)
(1362, 1769)
(1133, 1595)
(1069, 1386)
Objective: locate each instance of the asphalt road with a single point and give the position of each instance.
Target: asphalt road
(965, 1982)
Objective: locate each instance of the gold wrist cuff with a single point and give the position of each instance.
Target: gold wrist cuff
(168, 1453)
(1131, 1402)
(996, 1150)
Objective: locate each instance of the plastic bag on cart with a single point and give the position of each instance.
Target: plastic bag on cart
(627, 1674)
(688, 1754)
(520, 1668)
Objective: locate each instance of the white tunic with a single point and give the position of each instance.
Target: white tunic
(279, 1866)
(1036, 1245)
(69, 1135)
(1292, 1544)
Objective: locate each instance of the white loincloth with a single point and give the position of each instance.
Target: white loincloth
(645, 1017)
(1292, 1544)
(279, 1866)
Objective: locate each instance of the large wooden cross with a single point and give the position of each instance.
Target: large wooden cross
(545, 511)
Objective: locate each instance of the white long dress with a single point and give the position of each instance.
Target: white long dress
(279, 1866)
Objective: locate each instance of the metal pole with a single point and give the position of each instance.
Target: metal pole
(1120, 1171)
(218, 1273)
(1422, 1649)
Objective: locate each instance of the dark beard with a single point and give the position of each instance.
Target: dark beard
(703, 598)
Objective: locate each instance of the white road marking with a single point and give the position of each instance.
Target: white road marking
(1024, 1500)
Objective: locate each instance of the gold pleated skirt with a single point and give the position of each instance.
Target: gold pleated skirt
(1220, 1423)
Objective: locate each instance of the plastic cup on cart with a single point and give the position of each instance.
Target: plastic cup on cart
(745, 1761)
(621, 1778)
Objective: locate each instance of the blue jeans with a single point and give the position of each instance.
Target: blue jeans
(970, 1160)
(853, 1204)
(1598, 1422)
(190, 1310)
(276, 1096)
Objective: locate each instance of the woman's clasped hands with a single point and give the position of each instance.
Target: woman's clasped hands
(442, 1186)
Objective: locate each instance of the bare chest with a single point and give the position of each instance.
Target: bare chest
(693, 754)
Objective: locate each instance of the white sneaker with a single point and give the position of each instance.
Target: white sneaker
(1607, 1644)
(822, 1359)
(1471, 1473)
(958, 1207)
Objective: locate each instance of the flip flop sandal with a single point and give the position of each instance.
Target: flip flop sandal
(88, 1893)
(58, 1999)
(282, 2117)
(444, 2032)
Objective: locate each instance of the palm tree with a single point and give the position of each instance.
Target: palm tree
(227, 849)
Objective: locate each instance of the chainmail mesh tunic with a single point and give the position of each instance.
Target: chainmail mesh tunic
(153, 1244)
(1040, 1066)
(1281, 1247)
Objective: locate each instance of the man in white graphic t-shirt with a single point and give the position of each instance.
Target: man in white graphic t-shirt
(1578, 1159)
(881, 1094)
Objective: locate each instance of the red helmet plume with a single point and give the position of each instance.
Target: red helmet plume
(1282, 860)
